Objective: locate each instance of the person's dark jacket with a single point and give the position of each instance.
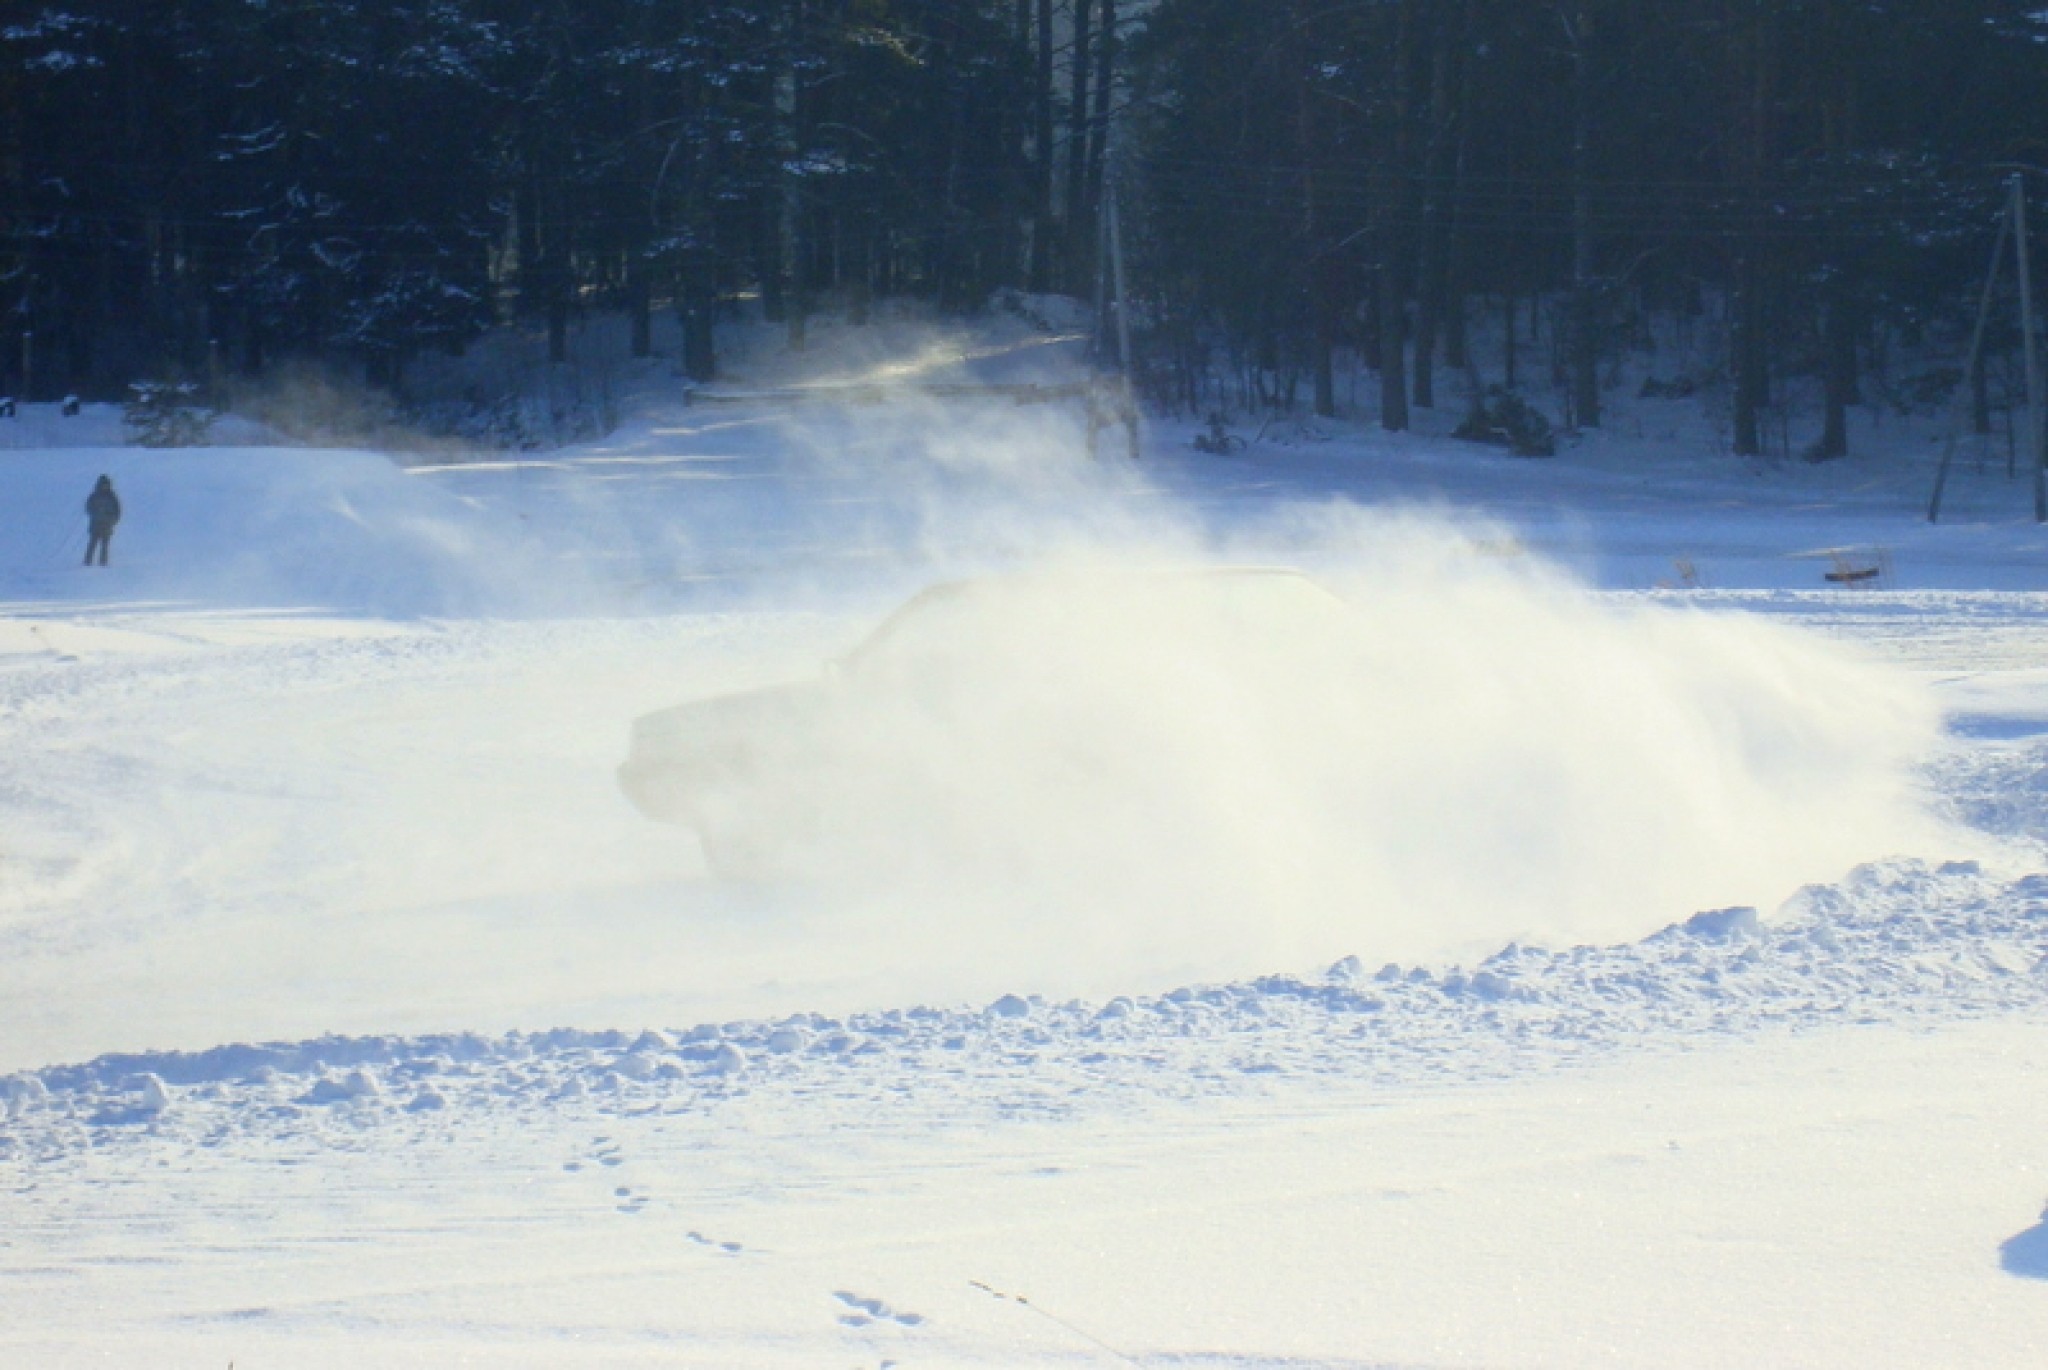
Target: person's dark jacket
(103, 507)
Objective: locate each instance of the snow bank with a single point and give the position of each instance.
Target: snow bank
(1895, 942)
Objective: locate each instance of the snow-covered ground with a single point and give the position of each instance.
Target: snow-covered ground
(354, 1016)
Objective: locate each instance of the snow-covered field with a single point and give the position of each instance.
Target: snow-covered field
(1636, 953)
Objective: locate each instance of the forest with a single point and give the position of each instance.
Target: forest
(1454, 197)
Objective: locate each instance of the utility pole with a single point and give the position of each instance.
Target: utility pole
(2034, 453)
(1973, 371)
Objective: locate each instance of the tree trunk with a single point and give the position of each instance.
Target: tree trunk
(1840, 386)
(1368, 334)
(1393, 203)
(1456, 352)
(699, 320)
(1510, 312)
(1393, 349)
(558, 328)
(1747, 348)
(1105, 91)
(640, 231)
(790, 263)
(1838, 295)
(860, 290)
(1754, 41)
(1042, 220)
(1980, 400)
(1585, 334)
(1325, 356)
(765, 227)
(640, 302)
(1078, 227)
(526, 236)
(555, 270)
(1430, 251)
(1315, 275)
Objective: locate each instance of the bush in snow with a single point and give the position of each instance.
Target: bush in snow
(1504, 419)
(166, 414)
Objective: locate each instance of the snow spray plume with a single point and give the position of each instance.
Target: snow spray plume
(1104, 777)
(1111, 777)
(315, 406)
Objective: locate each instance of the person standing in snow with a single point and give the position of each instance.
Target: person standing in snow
(102, 512)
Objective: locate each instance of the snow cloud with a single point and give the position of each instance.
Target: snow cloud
(1115, 774)
(1098, 770)
(1110, 770)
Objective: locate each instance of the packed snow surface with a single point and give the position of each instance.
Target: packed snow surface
(1615, 943)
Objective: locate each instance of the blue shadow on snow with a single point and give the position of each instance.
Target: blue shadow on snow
(2027, 1254)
